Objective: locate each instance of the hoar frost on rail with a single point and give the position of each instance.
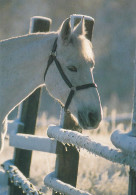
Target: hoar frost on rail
(81, 141)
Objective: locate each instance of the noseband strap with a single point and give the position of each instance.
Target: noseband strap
(73, 89)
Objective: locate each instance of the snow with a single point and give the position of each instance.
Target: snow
(33, 142)
(124, 141)
(81, 141)
(19, 179)
(78, 16)
(41, 18)
(13, 125)
(62, 187)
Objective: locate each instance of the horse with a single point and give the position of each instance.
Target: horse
(63, 61)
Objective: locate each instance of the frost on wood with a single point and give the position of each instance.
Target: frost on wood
(19, 179)
(79, 16)
(35, 20)
(81, 141)
(124, 141)
(62, 187)
(32, 142)
(13, 125)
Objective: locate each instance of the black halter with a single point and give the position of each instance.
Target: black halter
(73, 89)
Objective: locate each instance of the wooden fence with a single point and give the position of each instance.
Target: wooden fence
(63, 180)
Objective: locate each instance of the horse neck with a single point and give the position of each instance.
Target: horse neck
(24, 60)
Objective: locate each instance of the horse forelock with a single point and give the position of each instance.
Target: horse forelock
(84, 47)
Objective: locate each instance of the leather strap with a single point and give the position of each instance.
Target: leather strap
(51, 57)
(73, 89)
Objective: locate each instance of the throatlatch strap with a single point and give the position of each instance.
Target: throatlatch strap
(65, 78)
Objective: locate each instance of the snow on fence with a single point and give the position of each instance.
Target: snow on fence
(33, 142)
(125, 142)
(19, 179)
(62, 187)
(80, 141)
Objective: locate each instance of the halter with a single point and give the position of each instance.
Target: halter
(73, 89)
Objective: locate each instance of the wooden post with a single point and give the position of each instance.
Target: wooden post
(89, 24)
(132, 182)
(132, 173)
(28, 112)
(67, 163)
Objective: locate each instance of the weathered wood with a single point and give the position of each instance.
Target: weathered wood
(29, 111)
(132, 173)
(89, 24)
(67, 163)
(132, 182)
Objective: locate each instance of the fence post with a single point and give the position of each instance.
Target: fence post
(132, 173)
(66, 168)
(28, 112)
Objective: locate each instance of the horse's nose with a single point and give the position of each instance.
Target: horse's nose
(93, 118)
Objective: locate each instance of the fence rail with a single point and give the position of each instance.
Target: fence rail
(33, 142)
(52, 182)
(19, 180)
(80, 141)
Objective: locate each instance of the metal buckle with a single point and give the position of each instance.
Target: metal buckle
(53, 53)
(73, 88)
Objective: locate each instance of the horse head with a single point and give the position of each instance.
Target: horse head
(71, 80)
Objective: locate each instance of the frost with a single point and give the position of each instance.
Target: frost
(81, 141)
(62, 187)
(124, 141)
(19, 179)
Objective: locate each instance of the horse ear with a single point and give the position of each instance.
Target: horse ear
(65, 31)
(80, 28)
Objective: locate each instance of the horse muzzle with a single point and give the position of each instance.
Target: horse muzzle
(89, 120)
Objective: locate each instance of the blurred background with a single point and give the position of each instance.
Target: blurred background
(114, 41)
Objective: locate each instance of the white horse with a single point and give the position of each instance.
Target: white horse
(23, 61)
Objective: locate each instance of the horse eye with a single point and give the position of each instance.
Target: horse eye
(72, 68)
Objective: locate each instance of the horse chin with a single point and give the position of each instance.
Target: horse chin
(88, 127)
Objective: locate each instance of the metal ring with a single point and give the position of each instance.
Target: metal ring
(73, 88)
(53, 53)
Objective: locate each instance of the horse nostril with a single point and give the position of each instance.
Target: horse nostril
(93, 118)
